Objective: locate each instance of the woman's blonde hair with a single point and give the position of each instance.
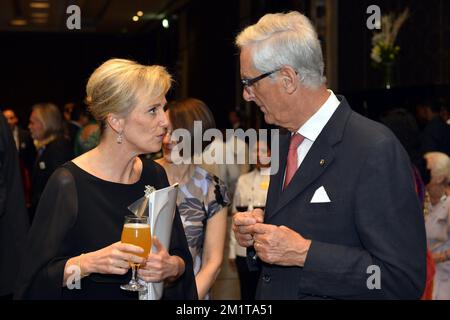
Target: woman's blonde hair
(50, 117)
(115, 86)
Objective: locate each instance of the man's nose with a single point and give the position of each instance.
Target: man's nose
(246, 94)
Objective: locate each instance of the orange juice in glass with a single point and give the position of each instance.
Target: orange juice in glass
(136, 231)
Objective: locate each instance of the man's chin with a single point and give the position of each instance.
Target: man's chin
(268, 119)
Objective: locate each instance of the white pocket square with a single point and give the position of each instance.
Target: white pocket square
(320, 196)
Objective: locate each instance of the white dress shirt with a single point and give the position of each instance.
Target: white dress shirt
(15, 133)
(314, 126)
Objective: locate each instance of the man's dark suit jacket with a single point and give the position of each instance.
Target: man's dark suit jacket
(27, 151)
(48, 160)
(374, 217)
(13, 214)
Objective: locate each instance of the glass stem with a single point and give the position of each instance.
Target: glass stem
(133, 273)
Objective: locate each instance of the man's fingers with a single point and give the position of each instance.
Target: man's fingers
(258, 214)
(261, 228)
(244, 219)
(245, 229)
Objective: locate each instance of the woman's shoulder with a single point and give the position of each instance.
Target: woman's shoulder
(202, 173)
(216, 188)
(63, 176)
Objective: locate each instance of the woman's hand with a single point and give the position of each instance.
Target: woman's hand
(114, 259)
(161, 266)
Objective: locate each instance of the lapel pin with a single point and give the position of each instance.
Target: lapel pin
(322, 162)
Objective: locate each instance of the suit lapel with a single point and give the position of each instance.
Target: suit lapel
(308, 172)
(318, 159)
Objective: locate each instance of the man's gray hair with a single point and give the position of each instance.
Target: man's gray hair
(285, 39)
(439, 165)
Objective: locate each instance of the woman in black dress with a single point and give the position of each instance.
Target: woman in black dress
(80, 216)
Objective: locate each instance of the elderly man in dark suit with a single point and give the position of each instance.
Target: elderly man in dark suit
(342, 220)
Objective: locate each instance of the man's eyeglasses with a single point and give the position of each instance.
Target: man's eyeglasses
(249, 82)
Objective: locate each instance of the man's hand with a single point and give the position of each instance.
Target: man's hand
(243, 223)
(280, 245)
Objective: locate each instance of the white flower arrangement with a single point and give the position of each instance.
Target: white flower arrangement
(384, 49)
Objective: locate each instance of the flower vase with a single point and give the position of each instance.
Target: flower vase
(388, 76)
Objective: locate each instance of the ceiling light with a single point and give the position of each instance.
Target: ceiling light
(39, 14)
(165, 23)
(40, 5)
(39, 20)
(140, 13)
(19, 22)
(135, 18)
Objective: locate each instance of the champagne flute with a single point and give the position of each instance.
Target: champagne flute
(136, 231)
(259, 205)
(259, 201)
(241, 205)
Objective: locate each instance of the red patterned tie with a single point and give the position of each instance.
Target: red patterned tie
(292, 160)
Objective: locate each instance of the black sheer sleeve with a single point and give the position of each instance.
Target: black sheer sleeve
(184, 287)
(48, 245)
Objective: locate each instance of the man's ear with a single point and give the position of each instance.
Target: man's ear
(289, 78)
(115, 122)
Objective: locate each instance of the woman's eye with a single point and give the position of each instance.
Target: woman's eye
(152, 110)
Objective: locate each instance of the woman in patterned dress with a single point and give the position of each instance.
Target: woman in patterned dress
(202, 198)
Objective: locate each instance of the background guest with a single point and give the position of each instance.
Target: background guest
(88, 137)
(53, 149)
(27, 151)
(251, 192)
(22, 138)
(437, 221)
(436, 134)
(13, 214)
(202, 198)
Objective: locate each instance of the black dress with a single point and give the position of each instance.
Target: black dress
(80, 213)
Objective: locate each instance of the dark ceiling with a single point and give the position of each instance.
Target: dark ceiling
(103, 16)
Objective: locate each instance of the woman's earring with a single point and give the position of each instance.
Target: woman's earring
(119, 138)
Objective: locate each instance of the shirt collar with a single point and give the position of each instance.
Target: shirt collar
(314, 126)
